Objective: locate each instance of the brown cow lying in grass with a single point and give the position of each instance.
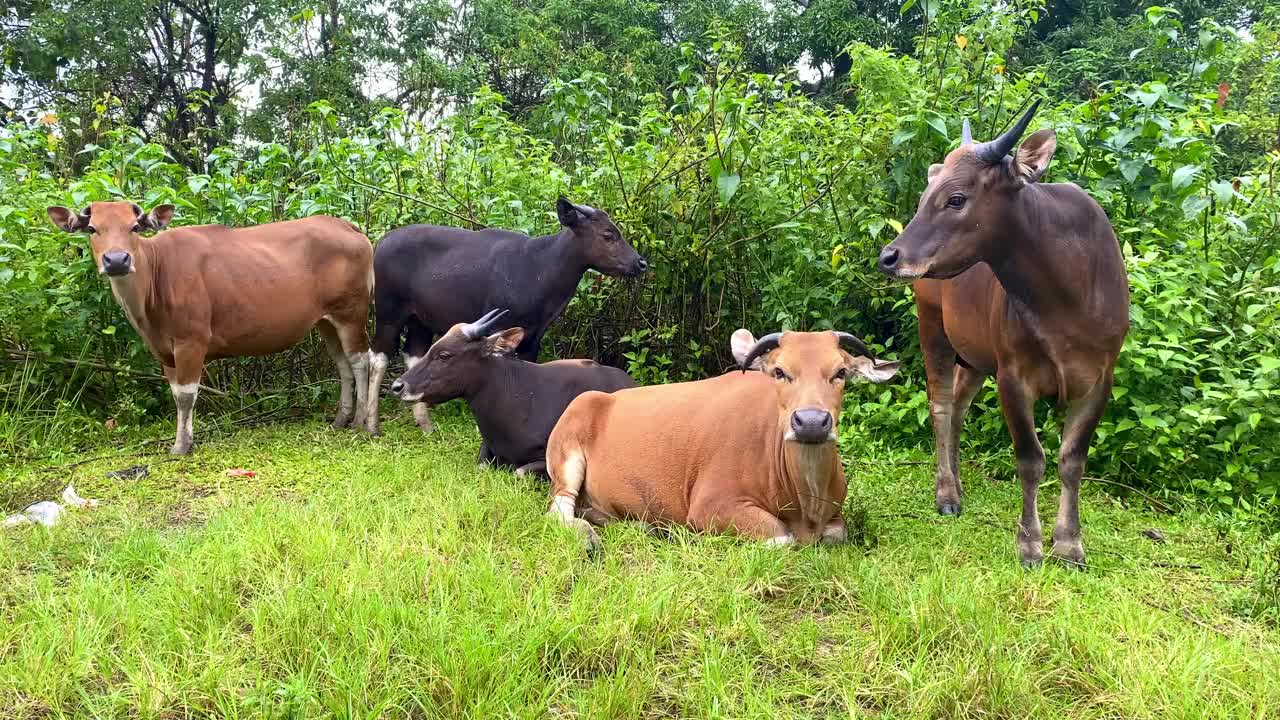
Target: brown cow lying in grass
(747, 452)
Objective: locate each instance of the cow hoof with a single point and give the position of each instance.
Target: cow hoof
(180, 448)
(587, 534)
(1030, 554)
(374, 430)
(427, 429)
(340, 422)
(1070, 553)
(948, 508)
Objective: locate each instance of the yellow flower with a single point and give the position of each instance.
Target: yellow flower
(49, 119)
(962, 41)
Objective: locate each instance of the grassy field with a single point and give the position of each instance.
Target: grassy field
(358, 577)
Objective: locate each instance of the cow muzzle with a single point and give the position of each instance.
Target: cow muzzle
(116, 263)
(638, 268)
(812, 426)
(400, 389)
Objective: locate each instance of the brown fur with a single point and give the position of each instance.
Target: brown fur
(712, 455)
(1026, 283)
(206, 292)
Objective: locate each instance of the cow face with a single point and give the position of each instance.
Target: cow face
(969, 210)
(810, 371)
(599, 240)
(113, 229)
(453, 366)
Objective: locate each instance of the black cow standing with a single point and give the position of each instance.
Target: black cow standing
(429, 278)
(515, 403)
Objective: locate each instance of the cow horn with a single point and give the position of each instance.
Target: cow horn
(477, 329)
(764, 345)
(851, 343)
(994, 151)
(966, 135)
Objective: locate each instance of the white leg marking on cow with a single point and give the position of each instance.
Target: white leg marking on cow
(835, 533)
(359, 362)
(376, 369)
(780, 541)
(184, 397)
(562, 506)
(573, 474)
(422, 416)
(347, 378)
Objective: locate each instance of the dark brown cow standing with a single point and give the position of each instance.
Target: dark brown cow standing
(1024, 281)
(205, 292)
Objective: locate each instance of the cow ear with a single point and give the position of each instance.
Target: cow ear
(876, 372)
(740, 343)
(567, 212)
(67, 220)
(158, 218)
(1034, 156)
(505, 342)
(934, 169)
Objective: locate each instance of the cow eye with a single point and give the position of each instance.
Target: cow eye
(780, 374)
(956, 201)
(444, 356)
(841, 374)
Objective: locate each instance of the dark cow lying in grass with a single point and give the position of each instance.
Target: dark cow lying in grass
(747, 452)
(516, 403)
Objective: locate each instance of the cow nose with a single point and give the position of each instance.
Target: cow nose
(639, 266)
(811, 425)
(889, 258)
(397, 386)
(116, 263)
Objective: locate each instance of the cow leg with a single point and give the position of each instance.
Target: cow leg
(711, 512)
(389, 313)
(354, 338)
(940, 371)
(485, 458)
(568, 476)
(417, 343)
(835, 533)
(1019, 415)
(964, 387)
(537, 468)
(334, 346)
(1077, 435)
(184, 382)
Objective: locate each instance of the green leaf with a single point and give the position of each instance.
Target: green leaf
(938, 124)
(1124, 137)
(1221, 190)
(903, 135)
(906, 6)
(1130, 169)
(1268, 363)
(6, 274)
(1184, 175)
(109, 330)
(1147, 98)
(1194, 205)
(728, 184)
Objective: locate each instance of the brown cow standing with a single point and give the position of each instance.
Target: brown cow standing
(1024, 281)
(206, 292)
(749, 452)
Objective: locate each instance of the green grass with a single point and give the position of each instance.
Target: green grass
(358, 577)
